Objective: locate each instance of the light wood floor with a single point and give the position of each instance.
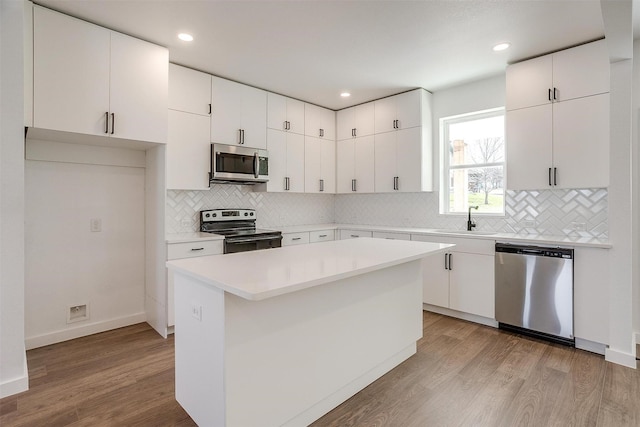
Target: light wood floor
(463, 375)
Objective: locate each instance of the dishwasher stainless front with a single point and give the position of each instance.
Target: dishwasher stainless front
(534, 291)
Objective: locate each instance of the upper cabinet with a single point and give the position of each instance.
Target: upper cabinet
(319, 165)
(356, 121)
(319, 122)
(238, 114)
(401, 111)
(189, 90)
(286, 162)
(285, 114)
(91, 80)
(557, 120)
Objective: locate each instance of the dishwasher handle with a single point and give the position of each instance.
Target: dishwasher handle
(552, 252)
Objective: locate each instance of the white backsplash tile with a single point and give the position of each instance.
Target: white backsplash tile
(553, 212)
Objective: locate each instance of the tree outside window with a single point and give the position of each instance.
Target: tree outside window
(473, 162)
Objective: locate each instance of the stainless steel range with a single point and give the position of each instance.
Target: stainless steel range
(238, 226)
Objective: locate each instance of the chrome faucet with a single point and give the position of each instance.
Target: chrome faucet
(471, 224)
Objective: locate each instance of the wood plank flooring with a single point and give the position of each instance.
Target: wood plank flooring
(463, 375)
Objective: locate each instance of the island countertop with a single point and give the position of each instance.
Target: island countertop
(258, 275)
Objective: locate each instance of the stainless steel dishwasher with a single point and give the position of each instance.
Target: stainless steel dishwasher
(534, 291)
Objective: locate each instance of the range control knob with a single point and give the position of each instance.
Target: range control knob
(214, 215)
(246, 214)
(251, 214)
(207, 215)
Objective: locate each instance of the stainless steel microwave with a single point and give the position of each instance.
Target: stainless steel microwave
(240, 165)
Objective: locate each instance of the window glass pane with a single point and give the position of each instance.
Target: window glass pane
(482, 187)
(477, 141)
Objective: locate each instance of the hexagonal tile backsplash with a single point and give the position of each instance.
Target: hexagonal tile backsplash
(551, 212)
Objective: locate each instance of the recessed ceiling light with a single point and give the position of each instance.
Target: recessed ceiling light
(501, 46)
(185, 37)
(345, 94)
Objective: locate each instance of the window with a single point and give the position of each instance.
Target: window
(473, 155)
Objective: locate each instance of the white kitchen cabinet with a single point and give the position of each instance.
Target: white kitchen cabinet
(403, 161)
(568, 74)
(354, 234)
(390, 235)
(557, 120)
(319, 122)
(289, 239)
(285, 114)
(286, 161)
(238, 114)
(322, 236)
(90, 80)
(187, 250)
(463, 278)
(188, 151)
(356, 121)
(355, 165)
(189, 90)
(398, 112)
(319, 165)
(591, 268)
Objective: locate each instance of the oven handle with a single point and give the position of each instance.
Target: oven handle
(256, 165)
(249, 240)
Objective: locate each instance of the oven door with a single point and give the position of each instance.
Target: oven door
(230, 163)
(244, 244)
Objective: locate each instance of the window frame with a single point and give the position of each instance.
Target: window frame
(446, 168)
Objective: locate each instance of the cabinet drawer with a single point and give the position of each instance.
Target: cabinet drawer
(392, 236)
(321, 236)
(289, 239)
(193, 249)
(472, 246)
(352, 234)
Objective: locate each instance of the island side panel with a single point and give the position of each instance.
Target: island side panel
(199, 350)
(292, 358)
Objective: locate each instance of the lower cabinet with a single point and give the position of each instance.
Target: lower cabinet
(591, 268)
(391, 236)
(289, 239)
(187, 250)
(353, 234)
(461, 279)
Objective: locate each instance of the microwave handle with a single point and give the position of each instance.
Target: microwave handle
(256, 165)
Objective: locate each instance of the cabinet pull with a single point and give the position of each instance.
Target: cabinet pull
(239, 136)
(197, 249)
(209, 108)
(106, 122)
(113, 123)
(555, 96)
(446, 263)
(450, 263)
(243, 136)
(353, 185)
(549, 94)
(550, 177)
(296, 238)
(322, 235)
(321, 133)
(555, 176)
(396, 183)
(322, 185)
(354, 236)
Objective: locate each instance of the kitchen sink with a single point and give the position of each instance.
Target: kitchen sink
(477, 233)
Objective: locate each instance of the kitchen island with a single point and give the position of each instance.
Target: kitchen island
(282, 336)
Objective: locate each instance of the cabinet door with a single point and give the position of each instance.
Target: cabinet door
(139, 89)
(312, 164)
(328, 164)
(591, 294)
(581, 71)
(529, 134)
(70, 73)
(528, 83)
(385, 114)
(328, 124)
(226, 99)
(385, 162)
(411, 163)
(254, 117)
(318, 118)
(345, 165)
(471, 284)
(346, 122)
(276, 111)
(365, 119)
(277, 146)
(435, 281)
(295, 162)
(188, 151)
(295, 116)
(364, 164)
(409, 109)
(581, 142)
(189, 90)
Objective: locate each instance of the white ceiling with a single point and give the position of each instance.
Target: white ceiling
(313, 50)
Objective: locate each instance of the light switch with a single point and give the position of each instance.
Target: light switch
(96, 224)
(196, 311)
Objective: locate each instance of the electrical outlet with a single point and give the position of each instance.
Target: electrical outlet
(196, 311)
(579, 226)
(96, 225)
(77, 313)
(185, 223)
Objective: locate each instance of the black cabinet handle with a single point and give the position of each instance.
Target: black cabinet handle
(555, 96)
(550, 177)
(555, 176)
(296, 238)
(197, 249)
(106, 122)
(209, 108)
(446, 262)
(450, 263)
(239, 136)
(549, 94)
(113, 123)
(321, 133)
(353, 185)
(322, 185)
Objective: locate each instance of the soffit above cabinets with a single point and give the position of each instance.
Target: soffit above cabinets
(314, 50)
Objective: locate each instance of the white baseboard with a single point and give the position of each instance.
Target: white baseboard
(82, 331)
(620, 358)
(16, 385)
(460, 315)
(637, 334)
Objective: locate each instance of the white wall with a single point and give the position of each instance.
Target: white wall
(13, 367)
(66, 263)
(635, 141)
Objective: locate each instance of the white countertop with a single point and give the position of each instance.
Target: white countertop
(258, 275)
